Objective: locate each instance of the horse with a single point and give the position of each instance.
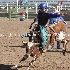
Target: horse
(33, 47)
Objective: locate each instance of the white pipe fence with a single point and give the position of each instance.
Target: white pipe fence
(29, 8)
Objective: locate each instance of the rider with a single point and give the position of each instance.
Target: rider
(52, 23)
(43, 16)
(42, 19)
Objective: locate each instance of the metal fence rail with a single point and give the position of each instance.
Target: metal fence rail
(31, 11)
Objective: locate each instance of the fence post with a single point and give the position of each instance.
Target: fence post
(36, 7)
(9, 12)
(7, 7)
(65, 7)
(27, 11)
(61, 7)
(58, 8)
(17, 6)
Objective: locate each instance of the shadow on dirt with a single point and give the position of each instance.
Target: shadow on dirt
(18, 46)
(67, 51)
(57, 50)
(6, 67)
(9, 67)
(22, 66)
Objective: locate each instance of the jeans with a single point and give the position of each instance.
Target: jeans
(43, 35)
(58, 45)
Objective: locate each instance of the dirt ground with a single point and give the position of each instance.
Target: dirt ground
(11, 49)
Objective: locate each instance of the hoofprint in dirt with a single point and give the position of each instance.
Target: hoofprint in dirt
(11, 49)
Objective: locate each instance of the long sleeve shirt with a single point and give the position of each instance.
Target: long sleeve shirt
(43, 17)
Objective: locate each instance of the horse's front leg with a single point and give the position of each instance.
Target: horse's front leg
(22, 59)
(31, 63)
(35, 54)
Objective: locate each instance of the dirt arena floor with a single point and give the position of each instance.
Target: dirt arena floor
(11, 49)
